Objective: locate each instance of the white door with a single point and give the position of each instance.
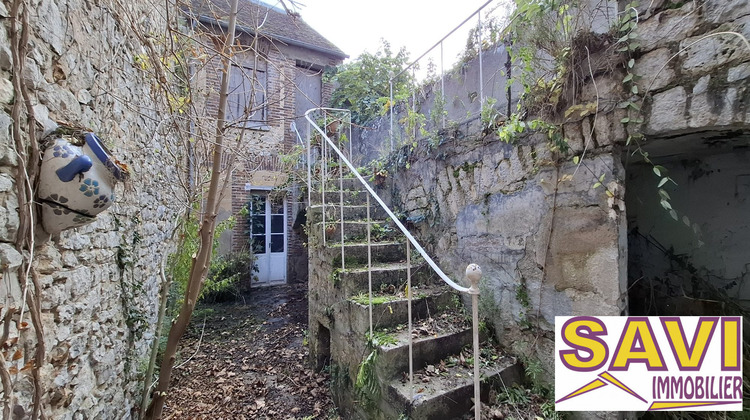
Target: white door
(268, 237)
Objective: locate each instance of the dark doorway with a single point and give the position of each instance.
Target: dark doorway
(324, 348)
(688, 239)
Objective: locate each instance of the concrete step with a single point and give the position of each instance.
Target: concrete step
(355, 254)
(447, 394)
(389, 311)
(434, 339)
(385, 276)
(334, 195)
(356, 231)
(351, 212)
(333, 183)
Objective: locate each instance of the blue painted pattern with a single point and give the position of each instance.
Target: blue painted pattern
(90, 187)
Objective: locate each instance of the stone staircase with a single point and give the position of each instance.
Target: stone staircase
(339, 319)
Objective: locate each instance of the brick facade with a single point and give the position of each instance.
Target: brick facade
(261, 148)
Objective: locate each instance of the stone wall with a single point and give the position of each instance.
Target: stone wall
(548, 242)
(100, 282)
(461, 105)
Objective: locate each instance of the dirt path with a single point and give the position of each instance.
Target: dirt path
(251, 362)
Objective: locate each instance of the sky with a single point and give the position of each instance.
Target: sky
(356, 26)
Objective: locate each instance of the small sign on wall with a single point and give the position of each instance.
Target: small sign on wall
(266, 179)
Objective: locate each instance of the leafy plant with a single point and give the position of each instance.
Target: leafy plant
(366, 385)
(515, 395)
(179, 264)
(489, 116)
(363, 84)
(225, 274)
(414, 125)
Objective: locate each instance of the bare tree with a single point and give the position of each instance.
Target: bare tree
(201, 261)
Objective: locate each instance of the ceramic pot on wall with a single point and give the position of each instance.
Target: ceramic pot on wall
(77, 181)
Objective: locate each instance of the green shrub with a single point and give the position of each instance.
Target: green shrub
(225, 274)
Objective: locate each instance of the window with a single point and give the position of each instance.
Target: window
(246, 97)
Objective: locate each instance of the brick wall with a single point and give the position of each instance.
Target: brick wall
(261, 148)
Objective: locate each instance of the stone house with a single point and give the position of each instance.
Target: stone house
(277, 75)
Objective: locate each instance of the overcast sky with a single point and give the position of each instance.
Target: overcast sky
(358, 25)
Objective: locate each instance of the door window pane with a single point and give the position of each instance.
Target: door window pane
(277, 243)
(259, 244)
(277, 205)
(258, 226)
(277, 224)
(257, 204)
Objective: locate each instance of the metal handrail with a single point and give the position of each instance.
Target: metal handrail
(377, 198)
(473, 271)
(441, 40)
(411, 65)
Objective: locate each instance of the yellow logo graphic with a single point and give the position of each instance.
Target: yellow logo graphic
(676, 363)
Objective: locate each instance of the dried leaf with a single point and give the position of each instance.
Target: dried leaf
(28, 366)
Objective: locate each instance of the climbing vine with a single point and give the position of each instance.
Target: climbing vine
(12, 359)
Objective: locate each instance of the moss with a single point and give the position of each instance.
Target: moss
(364, 299)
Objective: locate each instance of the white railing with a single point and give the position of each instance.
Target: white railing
(473, 272)
(414, 64)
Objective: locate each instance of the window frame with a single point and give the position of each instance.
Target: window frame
(240, 94)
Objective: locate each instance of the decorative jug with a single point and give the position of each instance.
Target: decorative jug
(77, 181)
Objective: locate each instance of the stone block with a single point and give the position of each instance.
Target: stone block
(52, 27)
(32, 75)
(607, 89)
(48, 259)
(588, 140)
(10, 258)
(669, 25)
(738, 73)
(583, 252)
(710, 106)
(646, 9)
(572, 132)
(668, 111)
(725, 10)
(655, 69)
(609, 129)
(84, 97)
(6, 58)
(9, 220)
(705, 54)
(7, 151)
(41, 113)
(6, 91)
(6, 183)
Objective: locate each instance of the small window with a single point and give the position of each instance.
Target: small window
(246, 98)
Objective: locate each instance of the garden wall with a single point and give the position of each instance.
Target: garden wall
(99, 283)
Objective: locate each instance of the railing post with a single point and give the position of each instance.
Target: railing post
(323, 175)
(411, 336)
(341, 207)
(369, 263)
(442, 86)
(391, 105)
(474, 273)
(309, 175)
(481, 70)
